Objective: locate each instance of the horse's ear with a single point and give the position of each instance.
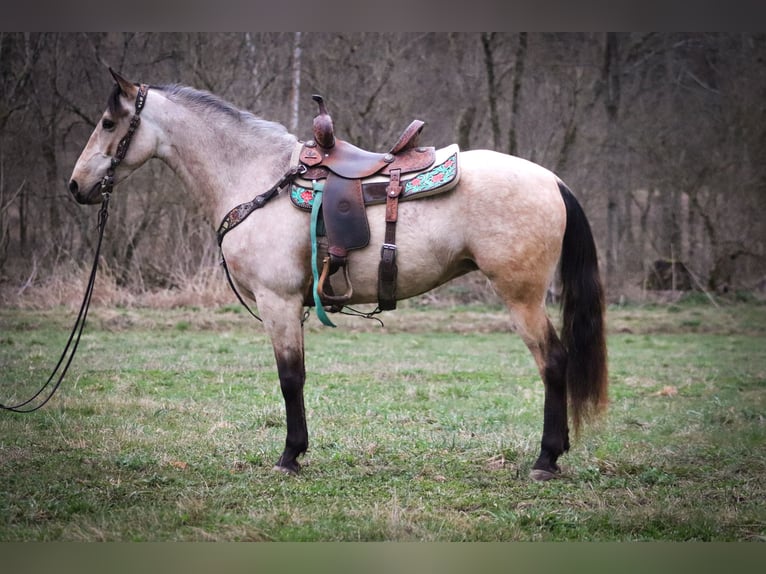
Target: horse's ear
(127, 88)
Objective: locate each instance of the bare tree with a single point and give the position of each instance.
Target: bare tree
(295, 88)
(611, 80)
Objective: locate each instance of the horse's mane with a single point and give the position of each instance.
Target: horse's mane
(205, 102)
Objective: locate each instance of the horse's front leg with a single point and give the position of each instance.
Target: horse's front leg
(292, 376)
(282, 320)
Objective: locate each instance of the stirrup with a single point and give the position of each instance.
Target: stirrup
(334, 299)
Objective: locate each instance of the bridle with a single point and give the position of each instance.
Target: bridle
(107, 183)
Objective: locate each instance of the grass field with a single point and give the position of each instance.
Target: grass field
(169, 422)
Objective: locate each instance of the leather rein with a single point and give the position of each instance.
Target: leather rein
(107, 183)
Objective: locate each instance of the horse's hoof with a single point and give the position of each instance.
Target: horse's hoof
(291, 469)
(540, 475)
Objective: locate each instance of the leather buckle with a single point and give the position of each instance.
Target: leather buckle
(388, 252)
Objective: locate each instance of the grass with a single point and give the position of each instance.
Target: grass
(169, 422)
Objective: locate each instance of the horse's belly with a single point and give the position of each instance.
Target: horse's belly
(430, 250)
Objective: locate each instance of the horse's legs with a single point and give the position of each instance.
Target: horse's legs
(536, 330)
(292, 376)
(555, 440)
(283, 323)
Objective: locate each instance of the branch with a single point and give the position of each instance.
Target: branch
(7, 205)
(30, 279)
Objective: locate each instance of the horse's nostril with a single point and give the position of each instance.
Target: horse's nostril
(73, 187)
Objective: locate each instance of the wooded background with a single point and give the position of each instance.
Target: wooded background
(661, 136)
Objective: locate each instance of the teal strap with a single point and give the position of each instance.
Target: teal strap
(318, 189)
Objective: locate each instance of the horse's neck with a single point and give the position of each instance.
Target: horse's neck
(221, 165)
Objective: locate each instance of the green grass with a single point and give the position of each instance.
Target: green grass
(169, 423)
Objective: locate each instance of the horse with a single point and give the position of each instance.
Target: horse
(513, 220)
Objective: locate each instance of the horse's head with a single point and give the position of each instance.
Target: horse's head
(116, 147)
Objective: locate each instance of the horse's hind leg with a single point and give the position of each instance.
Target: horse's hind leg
(538, 333)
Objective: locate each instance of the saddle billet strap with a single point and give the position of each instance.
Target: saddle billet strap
(387, 269)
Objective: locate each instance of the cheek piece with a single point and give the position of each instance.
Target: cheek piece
(107, 183)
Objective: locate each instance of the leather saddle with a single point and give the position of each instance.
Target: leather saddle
(350, 178)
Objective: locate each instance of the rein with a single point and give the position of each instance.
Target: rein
(107, 183)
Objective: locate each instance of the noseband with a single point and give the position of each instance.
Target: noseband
(107, 183)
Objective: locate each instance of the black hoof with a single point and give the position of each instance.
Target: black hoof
(540, 475)
(292, 468)
(544, 469)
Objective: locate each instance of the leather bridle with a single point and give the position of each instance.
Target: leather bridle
(107, 183)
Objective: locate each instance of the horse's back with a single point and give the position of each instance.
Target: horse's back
(506, 181)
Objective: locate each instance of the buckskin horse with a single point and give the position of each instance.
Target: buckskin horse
(511, 219)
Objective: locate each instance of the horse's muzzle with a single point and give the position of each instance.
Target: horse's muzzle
(89, 197)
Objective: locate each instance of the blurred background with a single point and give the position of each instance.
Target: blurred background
(661, 136)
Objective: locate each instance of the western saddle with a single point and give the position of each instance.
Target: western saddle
(348, 178)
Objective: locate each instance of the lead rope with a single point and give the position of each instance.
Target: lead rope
(107, 183)
(74, 337)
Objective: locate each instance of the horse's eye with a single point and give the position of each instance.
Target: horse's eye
(107, 124)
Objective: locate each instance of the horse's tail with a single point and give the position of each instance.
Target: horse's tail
(583, 331)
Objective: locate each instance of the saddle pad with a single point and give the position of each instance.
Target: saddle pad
(443, 176)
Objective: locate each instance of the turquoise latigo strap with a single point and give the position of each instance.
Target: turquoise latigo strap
(317, 204)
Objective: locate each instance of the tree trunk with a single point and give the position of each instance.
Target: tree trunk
(518, 72)
(611, 80)
(295, 88)
(464, 127)
(487, 43)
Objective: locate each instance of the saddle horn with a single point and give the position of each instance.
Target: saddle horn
(323, 129)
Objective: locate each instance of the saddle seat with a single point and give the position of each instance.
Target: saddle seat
(346, 160)
(346, 175)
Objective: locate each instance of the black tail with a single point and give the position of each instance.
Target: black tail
(583, 331)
